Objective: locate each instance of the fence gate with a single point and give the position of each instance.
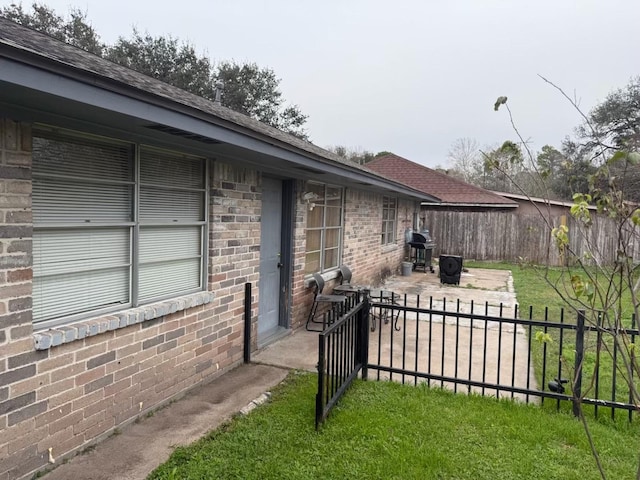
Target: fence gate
(342, 354)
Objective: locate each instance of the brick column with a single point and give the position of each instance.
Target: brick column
(234, 252)
(18, 402)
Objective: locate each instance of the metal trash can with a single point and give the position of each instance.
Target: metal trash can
(406, 269)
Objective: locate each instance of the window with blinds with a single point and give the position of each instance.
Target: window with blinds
(115, 225)
(389, 217)
(324, 227)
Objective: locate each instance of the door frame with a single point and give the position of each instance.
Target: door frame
(287, 244)
(285, 297)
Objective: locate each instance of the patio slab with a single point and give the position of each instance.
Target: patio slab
(478, 285)
(498, 352)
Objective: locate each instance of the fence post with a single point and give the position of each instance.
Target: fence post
(321, 379)
(247, 323)
(363, 340)
(577, 381)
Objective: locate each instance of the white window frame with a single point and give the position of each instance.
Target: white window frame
(323, 228)
(134, 225)
(389, 225)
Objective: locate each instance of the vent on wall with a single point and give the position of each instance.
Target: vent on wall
(183, 134)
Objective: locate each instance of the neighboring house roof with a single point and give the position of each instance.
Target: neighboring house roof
(545, 201)
(20, 45)
(448, 190)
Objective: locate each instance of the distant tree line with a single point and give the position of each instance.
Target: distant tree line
(560, 172)
(356, 155)
(247, 88)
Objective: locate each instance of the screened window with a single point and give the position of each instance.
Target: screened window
(115, 225)
(389, 216)
(324, 227)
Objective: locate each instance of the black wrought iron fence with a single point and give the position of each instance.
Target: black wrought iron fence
(342, 352)
(500, 351)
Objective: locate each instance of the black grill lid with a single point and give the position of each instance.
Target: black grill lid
(420, 238)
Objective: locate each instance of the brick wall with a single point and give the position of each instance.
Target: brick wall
(19, 378)
(370, 261)
(112, 369)
(302, 295)
(234, 247)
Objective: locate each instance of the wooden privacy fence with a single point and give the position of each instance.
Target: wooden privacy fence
(508, 236)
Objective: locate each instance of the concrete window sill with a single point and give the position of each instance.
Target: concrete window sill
(330, 275)
(390, 248)
(53, 337)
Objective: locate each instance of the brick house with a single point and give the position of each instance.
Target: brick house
(458, 214)
(134, 214)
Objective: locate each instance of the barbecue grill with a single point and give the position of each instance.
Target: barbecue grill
(422, 250)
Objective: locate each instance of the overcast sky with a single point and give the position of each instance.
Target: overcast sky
(408, 76)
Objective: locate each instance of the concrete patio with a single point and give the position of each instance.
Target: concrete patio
(491, 352)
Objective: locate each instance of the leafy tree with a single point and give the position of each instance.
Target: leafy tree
(248, 88)
(566, 172)
(551, 163)
(73, 29)
(254, 91)
(166, 59)
(382, 153)
(473, 165)
(598, 275)
(614, 126)
(501, 167)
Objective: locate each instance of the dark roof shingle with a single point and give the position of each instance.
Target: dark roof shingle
(29, 41)
(446, 188)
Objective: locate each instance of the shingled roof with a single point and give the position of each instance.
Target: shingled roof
(26, 45)
(39, 44)
(447, 189)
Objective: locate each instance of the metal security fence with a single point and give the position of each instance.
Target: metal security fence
(503, 352)
(342, 353)
(563, 359)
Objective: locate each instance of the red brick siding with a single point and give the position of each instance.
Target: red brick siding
(369, 260)
(234, 245)
(70, 396)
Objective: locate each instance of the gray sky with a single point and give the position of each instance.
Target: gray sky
(408, 76)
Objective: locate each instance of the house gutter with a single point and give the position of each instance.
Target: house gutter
(477, 205)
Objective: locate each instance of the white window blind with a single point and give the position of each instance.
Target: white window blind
(172, 214)
(106, 237)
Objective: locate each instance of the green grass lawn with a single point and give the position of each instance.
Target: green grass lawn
(384, 430)
(534, 287)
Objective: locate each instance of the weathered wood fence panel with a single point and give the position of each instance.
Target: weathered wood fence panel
(507, 236)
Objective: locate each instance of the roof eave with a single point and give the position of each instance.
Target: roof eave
(477, 205)
(95, 80)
